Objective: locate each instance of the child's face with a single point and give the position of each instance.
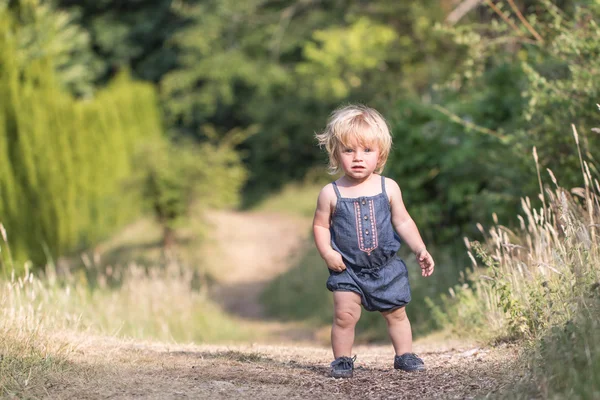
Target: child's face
(359, 160)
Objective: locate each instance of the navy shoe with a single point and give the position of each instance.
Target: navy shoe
(342, 367)
(409, 362)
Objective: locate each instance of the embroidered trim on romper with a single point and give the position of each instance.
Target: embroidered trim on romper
(359, 228)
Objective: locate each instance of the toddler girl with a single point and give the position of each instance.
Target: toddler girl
(356, 227)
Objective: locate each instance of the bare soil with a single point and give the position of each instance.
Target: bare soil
(245, 251)
(116, 369)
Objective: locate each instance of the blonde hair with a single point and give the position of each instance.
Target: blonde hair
(355, 123)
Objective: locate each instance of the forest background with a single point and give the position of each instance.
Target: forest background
(113, 110)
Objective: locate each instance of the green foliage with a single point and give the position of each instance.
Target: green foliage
(556, 85)
(174, 176)
(133, 35)
(340, 56)
(564, 90)
(554, 70)
(452, 175)
(64, 161)
(539, 284)
(284, 66)
(465, 150)
(44, 32)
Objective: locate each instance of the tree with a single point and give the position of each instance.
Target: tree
(284, 66)
(131, 34)
(174, 176)
(43, 31)
(63, 160)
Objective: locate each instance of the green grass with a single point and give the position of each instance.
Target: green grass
(29, 361)
(294, 199)
(300, 294)
(564, 363)
(567, 358)
(538, 285)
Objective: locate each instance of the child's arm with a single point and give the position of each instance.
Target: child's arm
(321, 222)
(407, 229)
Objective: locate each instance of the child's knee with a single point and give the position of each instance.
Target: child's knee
(396, 316)
(346, 318)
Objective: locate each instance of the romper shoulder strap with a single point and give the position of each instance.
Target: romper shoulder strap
(337, 191)
(383, 188)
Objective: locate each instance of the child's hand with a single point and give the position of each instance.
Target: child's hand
(334, 261)
(425, 262)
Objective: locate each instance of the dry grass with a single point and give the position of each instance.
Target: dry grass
(535, 273)
(165, 303)
(28, 360)
(157, 302)
(29, 355)
(539, 283)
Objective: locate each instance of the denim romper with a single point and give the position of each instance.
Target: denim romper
(362, 232)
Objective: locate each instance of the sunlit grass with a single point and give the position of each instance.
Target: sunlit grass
(141, 242)
(533, 275)
(163, 302)
(28, 360)
(294, 199)
(539, 284)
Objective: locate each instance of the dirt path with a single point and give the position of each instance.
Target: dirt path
(247, 250)
(109, 368)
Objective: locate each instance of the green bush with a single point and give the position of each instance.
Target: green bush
(301, 294)
(538, 284)
(64, 161)
(172, 177)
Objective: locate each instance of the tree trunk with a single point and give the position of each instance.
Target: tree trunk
(168, 237)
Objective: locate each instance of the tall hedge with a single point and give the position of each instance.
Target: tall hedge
(64, 162)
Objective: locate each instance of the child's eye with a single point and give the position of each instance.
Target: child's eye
(348, 150)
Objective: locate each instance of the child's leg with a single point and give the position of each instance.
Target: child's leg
(346, 314)
(399, 330)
